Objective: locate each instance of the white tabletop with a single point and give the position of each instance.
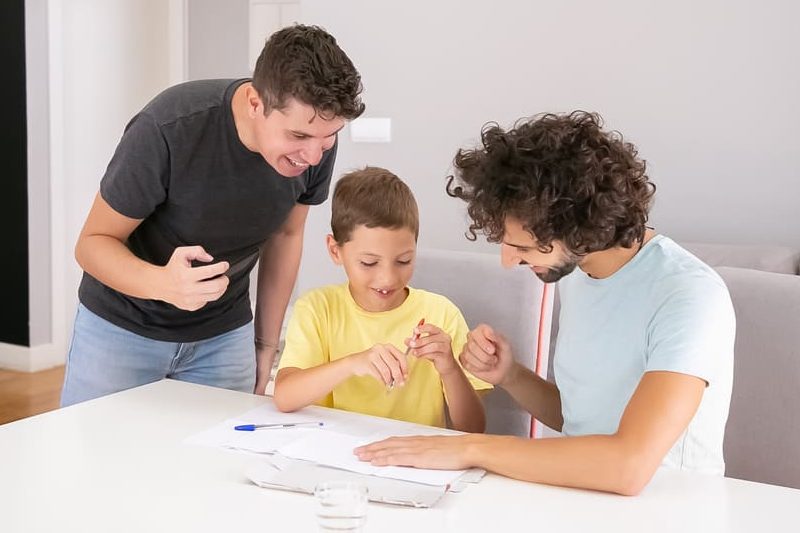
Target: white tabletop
(119, 464)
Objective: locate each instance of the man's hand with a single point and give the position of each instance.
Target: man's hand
(436, 452)
(487, 355)
(384, 362)
(190, 288)
(432, 343)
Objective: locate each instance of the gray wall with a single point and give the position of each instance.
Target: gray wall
(707, 90)
(217, 39)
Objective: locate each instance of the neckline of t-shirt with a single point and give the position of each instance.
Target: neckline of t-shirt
(640, 256)
(412, 295)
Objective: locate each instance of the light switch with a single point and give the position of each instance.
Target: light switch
(371, 130)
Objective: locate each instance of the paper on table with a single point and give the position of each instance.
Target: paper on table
(260, 441)
(322, 445)
(268, 440)
(336, 449)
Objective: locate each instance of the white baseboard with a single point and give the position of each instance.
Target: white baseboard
(31, 358)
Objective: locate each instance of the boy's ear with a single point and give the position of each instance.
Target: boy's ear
(333, 249)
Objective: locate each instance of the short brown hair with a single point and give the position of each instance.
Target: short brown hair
(375, 198)
(562, 176)
(305, 63)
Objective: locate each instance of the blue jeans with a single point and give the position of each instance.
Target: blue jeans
(104, 358)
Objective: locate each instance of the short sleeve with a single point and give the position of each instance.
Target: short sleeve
(305, 341)
(319, 180)
(457, 329)
(693, 331)
(137, 177)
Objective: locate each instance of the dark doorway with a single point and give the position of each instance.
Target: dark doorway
(14, 328)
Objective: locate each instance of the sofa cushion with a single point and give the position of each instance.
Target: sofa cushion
(768, 258)
(762, 437)
(509, 300)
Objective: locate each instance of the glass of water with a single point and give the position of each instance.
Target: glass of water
(341, 505)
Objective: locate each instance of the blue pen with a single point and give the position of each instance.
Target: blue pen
(253, 427)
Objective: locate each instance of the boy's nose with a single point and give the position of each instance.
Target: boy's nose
(388, 279)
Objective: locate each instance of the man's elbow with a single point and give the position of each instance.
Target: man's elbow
(635, 473)
(78, 252)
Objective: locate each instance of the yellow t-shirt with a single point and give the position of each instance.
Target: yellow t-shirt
(327, 324)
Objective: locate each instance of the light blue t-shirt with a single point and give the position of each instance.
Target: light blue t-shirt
(664, 310)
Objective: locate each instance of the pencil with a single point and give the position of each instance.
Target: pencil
(415, 336)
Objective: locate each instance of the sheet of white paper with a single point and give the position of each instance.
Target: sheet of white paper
(336, 449)
(331, 445)
(260, 441)
(266, 440)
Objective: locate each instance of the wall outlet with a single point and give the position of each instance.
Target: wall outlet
(371, 130)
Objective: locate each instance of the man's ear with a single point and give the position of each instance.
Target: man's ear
(254, 103)
(334, 250)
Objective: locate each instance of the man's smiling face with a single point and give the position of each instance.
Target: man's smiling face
(295, 137)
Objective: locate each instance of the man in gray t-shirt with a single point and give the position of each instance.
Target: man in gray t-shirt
(208, 178)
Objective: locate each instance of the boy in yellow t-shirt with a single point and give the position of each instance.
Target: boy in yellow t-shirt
(343, 342)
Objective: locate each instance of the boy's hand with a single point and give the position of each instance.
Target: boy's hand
(384, 362)
(434, 345)
(487, 355)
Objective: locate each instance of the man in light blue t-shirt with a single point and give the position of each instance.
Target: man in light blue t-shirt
(644, 356)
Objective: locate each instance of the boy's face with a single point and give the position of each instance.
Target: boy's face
(520, 248)
(293, 138)
(379, 263)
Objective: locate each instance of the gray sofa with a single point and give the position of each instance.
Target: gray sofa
(762, 438)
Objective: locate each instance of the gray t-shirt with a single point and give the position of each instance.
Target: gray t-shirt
(181, 167)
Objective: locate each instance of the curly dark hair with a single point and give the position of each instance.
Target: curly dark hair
(562, 177)
(304, 62)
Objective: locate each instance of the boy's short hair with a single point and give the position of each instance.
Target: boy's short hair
(305, 63)
(375, 198)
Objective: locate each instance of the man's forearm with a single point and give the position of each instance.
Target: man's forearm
(598, 462)
(109, 261)
(277, 273)
(537, 396)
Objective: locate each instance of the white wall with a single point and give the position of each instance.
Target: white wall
(38, 117)
(707, 90)
(114, 61)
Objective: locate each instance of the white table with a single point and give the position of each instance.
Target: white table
(118, 464)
